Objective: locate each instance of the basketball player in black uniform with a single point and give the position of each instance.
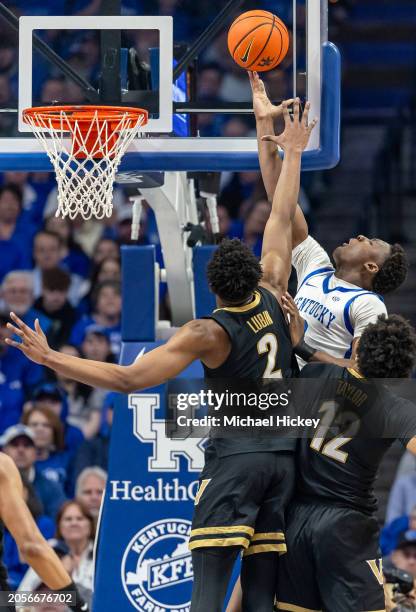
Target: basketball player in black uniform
(333, 562)
(242, 496)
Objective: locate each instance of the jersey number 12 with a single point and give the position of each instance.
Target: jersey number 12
(332, 448)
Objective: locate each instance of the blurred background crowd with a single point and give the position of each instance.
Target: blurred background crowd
(68, 274)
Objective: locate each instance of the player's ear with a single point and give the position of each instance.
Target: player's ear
(371, 267)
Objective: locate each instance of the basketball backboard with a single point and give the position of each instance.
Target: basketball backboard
(200, 117)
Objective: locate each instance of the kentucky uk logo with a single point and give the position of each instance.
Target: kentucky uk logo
(157, 557)
(166, 452)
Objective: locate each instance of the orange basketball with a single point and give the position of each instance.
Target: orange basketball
(258, 40)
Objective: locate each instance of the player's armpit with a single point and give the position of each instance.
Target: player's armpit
(411, 446)
(198, 339)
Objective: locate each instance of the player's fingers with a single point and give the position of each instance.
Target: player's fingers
(312, 125)
(20, 323)
(15, 330)
(305, 114)
(285, 112)
(296, 110)
(39, 329)
(271, 138)
(13, 343)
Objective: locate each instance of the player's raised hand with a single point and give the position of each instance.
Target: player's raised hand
(296, 322)
(32, 343)
(262, 106)
(296, 134)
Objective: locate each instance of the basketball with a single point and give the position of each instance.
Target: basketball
(258, 40)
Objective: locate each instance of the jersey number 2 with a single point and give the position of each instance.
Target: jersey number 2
(332, 448)
(268, 344)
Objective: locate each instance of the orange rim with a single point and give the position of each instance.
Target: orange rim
(83, 115)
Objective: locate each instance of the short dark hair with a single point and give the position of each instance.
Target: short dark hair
(234, 271)
(15, 190)
(387, 349)
(393, 272)
(56, 280)
(55, 235)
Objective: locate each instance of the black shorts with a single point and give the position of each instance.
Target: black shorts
(333, 561)
(241, 501)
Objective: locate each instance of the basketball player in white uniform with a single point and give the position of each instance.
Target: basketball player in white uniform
(337, 302)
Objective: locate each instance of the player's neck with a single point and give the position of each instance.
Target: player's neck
(351, 276)
(223, 304)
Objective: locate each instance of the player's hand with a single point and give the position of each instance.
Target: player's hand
(296, 322)
(296, 134)
(32, 343)
(262, 106)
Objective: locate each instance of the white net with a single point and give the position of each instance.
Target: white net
(85, 159)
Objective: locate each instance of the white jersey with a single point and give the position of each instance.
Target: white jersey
(335, 311)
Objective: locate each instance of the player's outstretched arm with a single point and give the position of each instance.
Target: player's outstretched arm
(277, 239)
(194, 340)
(33, 547)
(270, 162)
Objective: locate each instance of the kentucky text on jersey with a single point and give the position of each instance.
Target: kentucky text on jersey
(316, 310)
(260, 321)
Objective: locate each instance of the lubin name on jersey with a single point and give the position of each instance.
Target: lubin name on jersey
(246, 421)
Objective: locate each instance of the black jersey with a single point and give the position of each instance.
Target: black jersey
(359, 420)
(261, 348)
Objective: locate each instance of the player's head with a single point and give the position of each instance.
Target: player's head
(387, 349)
(233, 272)
(382, 266)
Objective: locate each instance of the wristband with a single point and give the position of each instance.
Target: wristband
(304, 351)
(79, 604)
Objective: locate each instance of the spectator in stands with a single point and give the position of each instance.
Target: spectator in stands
(54, 304)
(109, 269)
(52, 397)
(255, 224)
(17, 296)
(239, 190)
(18, 442)
(84, 402)
(106, 247)
(106, 314)
(404, 555)
(73, 257)
(16, 234)
(53, 91)
(89, 489)
(17, 378)
(95, 451)
(51, 458)
(229, 228)
(76, 527)
(47, 253)
(75, 533)
(35, 188)
(402, 497)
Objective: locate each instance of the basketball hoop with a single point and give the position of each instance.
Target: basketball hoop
(85, 145)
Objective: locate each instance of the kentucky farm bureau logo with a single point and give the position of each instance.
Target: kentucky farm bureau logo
(156, 569)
